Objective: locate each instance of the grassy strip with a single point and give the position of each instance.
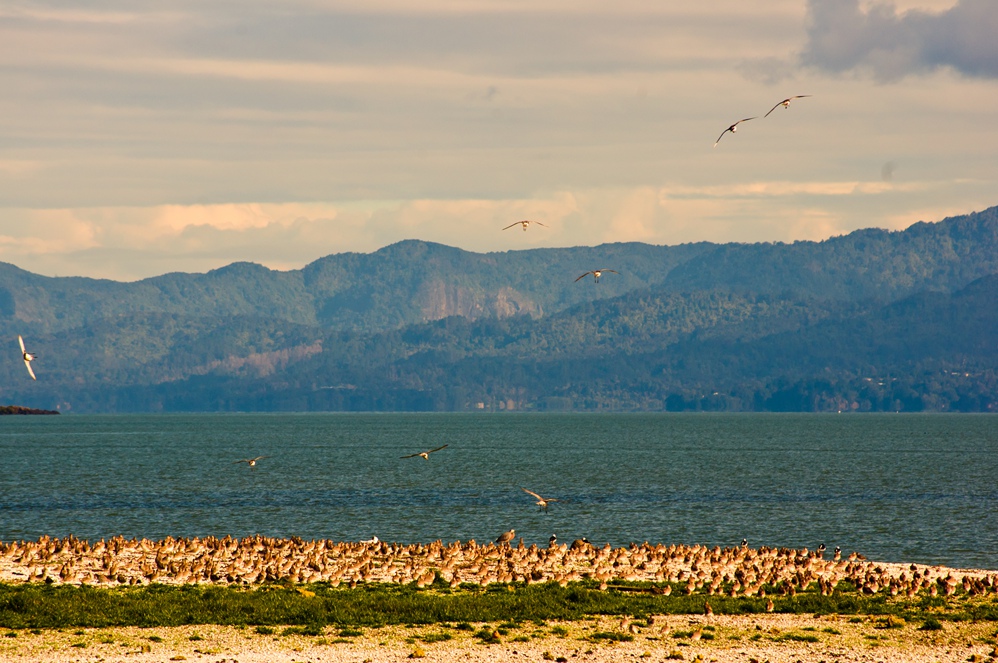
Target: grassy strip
(45, 606)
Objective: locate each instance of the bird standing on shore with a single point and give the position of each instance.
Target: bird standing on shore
(27, 357)
(425, 455)
(785, 103)
(506, 537)
(596, 274)
(733, 128)
(541, 502)
(251, 461)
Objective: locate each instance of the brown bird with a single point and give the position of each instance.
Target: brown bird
(733, 128)
(541, 502)
(425, 455)
(524, 223)
(785, 103)
(506, 537)
(596, 274)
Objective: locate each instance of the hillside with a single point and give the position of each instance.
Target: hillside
(428, 327)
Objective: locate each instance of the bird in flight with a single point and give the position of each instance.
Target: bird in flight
(785, 103)
(733, 128)
(425, 455)
(27, 357)
(250, 461)
(541, 502)
(524, 223)
(596, 274)
(506, 537)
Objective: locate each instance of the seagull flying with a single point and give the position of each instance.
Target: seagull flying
(425, 455)
(523, 223)
(785, 103)
(541, 502)
(596, 274)
(27, 357)
(733, 128)
(250, 461)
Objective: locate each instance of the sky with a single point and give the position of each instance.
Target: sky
(138, 139)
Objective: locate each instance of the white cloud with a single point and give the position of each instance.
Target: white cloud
(128, 243)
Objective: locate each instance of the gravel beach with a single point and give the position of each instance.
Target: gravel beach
(724, 639)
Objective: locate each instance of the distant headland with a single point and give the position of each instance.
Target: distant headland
(20, 409)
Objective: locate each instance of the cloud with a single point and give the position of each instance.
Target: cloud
(128, 243)
(843, 37)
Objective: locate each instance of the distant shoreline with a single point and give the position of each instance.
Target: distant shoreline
(20, 409)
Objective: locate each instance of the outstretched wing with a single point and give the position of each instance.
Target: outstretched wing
(512, 224)
(409, 456)
(775, 107)
(438, 448)
(21, 342)
(722, 135)
(540, 224)
(612, 271)
(27, 364)
(582, 277)
(530, 492)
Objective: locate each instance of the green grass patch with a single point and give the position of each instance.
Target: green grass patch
(40, 606)
(430, 638)
(612, 636)
(798, 637)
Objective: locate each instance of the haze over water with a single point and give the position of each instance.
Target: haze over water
(904, 488)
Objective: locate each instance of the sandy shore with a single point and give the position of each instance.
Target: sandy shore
(724, 639)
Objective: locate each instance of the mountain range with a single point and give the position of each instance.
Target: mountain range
(872, 320)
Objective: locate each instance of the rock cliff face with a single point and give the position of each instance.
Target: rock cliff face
(438, 299)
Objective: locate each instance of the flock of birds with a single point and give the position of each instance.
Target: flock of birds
(596, 273)
(28, 357)
(733, 571)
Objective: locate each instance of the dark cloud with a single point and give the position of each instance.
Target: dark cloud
(843, 37)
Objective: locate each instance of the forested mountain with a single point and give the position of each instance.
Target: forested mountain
(873, 320)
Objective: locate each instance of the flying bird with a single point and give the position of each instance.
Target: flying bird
(523, 223)
(425, 455)
(785, 103)
(596, 274)
(506, 537)
(541, 502)
(27, 357)
(733, 128)
(250, 461)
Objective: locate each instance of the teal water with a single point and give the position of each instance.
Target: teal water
(918, 488)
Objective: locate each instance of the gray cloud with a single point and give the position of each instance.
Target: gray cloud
(842, 37)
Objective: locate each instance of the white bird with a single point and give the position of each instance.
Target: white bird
(250, 461)
(425, 455)
(27, 357)
(373, 539)
(785, 103)
(596, 274)
(733, 128)
(524, 223)
(541, 502)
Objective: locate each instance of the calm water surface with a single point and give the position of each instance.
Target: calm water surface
(920, 488)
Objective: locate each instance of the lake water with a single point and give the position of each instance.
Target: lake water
(912, 488)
